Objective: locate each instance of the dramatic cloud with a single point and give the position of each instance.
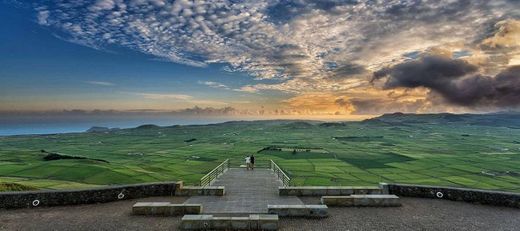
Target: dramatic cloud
(274, 38)
(507, 35)
(307, 46)
(457, 81)
(430, 71)
(502, 46)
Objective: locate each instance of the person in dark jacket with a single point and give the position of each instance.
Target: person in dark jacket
(252, 159)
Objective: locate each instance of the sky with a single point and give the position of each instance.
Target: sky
(327, 58)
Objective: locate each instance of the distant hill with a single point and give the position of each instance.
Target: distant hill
(147, 126)
(101, 129)
(333, 124)
(507, 119)
(298, 125)
(269, 122)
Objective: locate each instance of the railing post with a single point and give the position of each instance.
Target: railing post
(213, 174)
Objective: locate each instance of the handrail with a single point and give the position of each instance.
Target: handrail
(286, 181)
(213, 174)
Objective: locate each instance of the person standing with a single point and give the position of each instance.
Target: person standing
(252, 160)
(248, 162)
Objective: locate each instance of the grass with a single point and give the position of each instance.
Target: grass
(355, 153)
(15, 187)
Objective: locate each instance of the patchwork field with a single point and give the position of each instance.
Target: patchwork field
(476, 151)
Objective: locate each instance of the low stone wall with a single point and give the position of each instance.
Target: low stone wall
(314, 211)
(165, 209)
(456, 194)
(209, 222)
(362, 200)
(327, 190)
(29, 199)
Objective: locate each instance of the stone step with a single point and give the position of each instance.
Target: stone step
(210, 222)
(328, 190)
(317, 211)
(362, 200)
(165, 209)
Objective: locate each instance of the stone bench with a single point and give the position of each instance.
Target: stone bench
(210, 222)
(328, 190)
(165, 209)
(200, 191)
(298, 210)
(362, 200)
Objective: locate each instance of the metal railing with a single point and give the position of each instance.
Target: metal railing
(281, 174)
(208, 178)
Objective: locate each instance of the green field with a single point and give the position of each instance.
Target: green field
(463, 151)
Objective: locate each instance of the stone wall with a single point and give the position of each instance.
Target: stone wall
(327, 190)
(87, 196)
(456, 194)
(362, 200)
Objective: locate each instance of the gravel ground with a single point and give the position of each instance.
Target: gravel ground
(109, 216)
(415, 214)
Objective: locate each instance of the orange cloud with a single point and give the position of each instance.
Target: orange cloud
(319, 103)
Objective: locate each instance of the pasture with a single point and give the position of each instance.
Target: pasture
(433, 151)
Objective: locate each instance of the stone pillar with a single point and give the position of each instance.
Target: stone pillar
(384, 188)
(178, 186)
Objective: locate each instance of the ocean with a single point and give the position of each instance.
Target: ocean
(23, 125)
(63, 123)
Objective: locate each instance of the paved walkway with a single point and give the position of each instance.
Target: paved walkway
(246, 192)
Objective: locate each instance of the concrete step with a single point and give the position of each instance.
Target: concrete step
(362, 200)
(210, 222)
(316, 211)
(165, 209)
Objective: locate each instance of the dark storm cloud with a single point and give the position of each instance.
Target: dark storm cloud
(430, 71)
(457, 81)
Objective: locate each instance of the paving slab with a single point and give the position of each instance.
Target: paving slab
(246, 192)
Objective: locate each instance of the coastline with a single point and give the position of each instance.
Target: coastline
(50, 125)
